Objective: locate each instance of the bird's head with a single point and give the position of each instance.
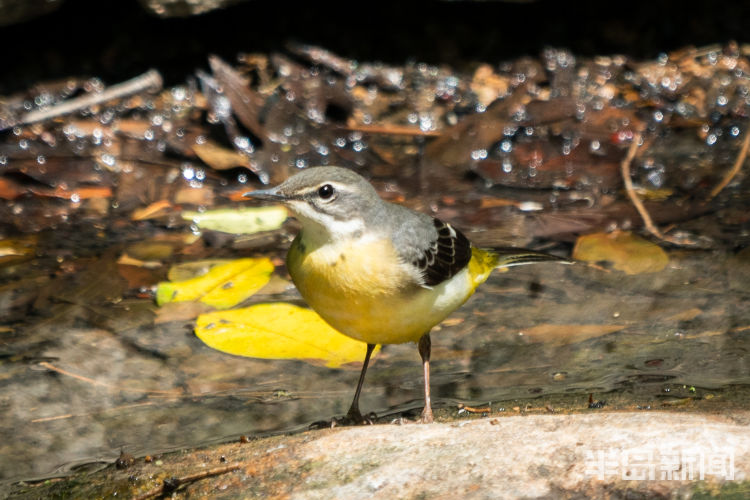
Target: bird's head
(333, 201)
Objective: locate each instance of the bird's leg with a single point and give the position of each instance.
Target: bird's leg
(353, 415)
(425, 345)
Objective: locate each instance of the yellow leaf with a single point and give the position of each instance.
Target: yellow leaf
(222, 287)
(627, 252)
(278, 331)
(245, 220)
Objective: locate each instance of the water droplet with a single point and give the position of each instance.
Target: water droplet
(507, 166)
(3, 160)
(358, 146)
(179, 93)
(200, 140)
(479, 154)
(23, 144)
(530, 206)
(75, 198)
(242, 178)
(243, 144)
(340, 142)
(41, 160)
(188, 172)
(200, 174)
(722, 100)
(711, 139)
(108, 159)
(658, 116)
(148, 135)
(735, 131)
(300, 163)
(506, 146)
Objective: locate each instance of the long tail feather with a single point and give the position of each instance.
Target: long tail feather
(509, 256)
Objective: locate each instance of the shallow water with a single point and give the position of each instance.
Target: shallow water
(88, 367)
(88, 373)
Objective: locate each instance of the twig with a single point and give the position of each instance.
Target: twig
(87, 414)
(171, 484)
(386, 129)
(735, 168)
(625, 167)
(92, 381)
(149, 81)
(647, 221)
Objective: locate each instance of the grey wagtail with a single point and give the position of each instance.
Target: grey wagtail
(379, 272)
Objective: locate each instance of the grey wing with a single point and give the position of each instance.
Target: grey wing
(436, 249)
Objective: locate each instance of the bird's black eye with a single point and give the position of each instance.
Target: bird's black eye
(325, 191)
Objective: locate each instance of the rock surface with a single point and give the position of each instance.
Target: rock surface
(594, 455)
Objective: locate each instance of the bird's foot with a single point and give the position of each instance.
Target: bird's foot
(427, 416)
(351, 419)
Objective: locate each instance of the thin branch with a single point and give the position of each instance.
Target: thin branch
(741, 156)
(92, 381)
(647, 221)
(625, 167)
(170, 485)
(87, 414)
(149, 81)
(387, 129)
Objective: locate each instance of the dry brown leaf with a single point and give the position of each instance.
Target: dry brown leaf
(155, 209)
(217, 157)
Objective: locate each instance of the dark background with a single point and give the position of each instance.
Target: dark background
(117, 39)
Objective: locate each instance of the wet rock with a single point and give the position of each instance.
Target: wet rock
(562, 456)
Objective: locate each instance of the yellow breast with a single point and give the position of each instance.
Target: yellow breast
(361, 288)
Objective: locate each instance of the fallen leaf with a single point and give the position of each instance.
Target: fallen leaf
(245, 220)
(222, 287)
(686, 315)
(155, 209)
(626, 251)
(17, 249)
(568, 334)
(217, 157)
(278, 331)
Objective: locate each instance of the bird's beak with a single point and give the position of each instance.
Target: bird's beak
(272, 194)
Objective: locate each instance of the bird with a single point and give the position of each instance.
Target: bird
(376, 271)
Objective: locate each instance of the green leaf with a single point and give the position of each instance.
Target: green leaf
(245, 220)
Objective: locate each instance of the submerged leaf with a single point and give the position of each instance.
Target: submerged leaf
(627, 252)
(222, 287)
(246, 220)
(278, 331)
(568, 334)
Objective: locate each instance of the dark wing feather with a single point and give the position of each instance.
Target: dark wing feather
(446, 256)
